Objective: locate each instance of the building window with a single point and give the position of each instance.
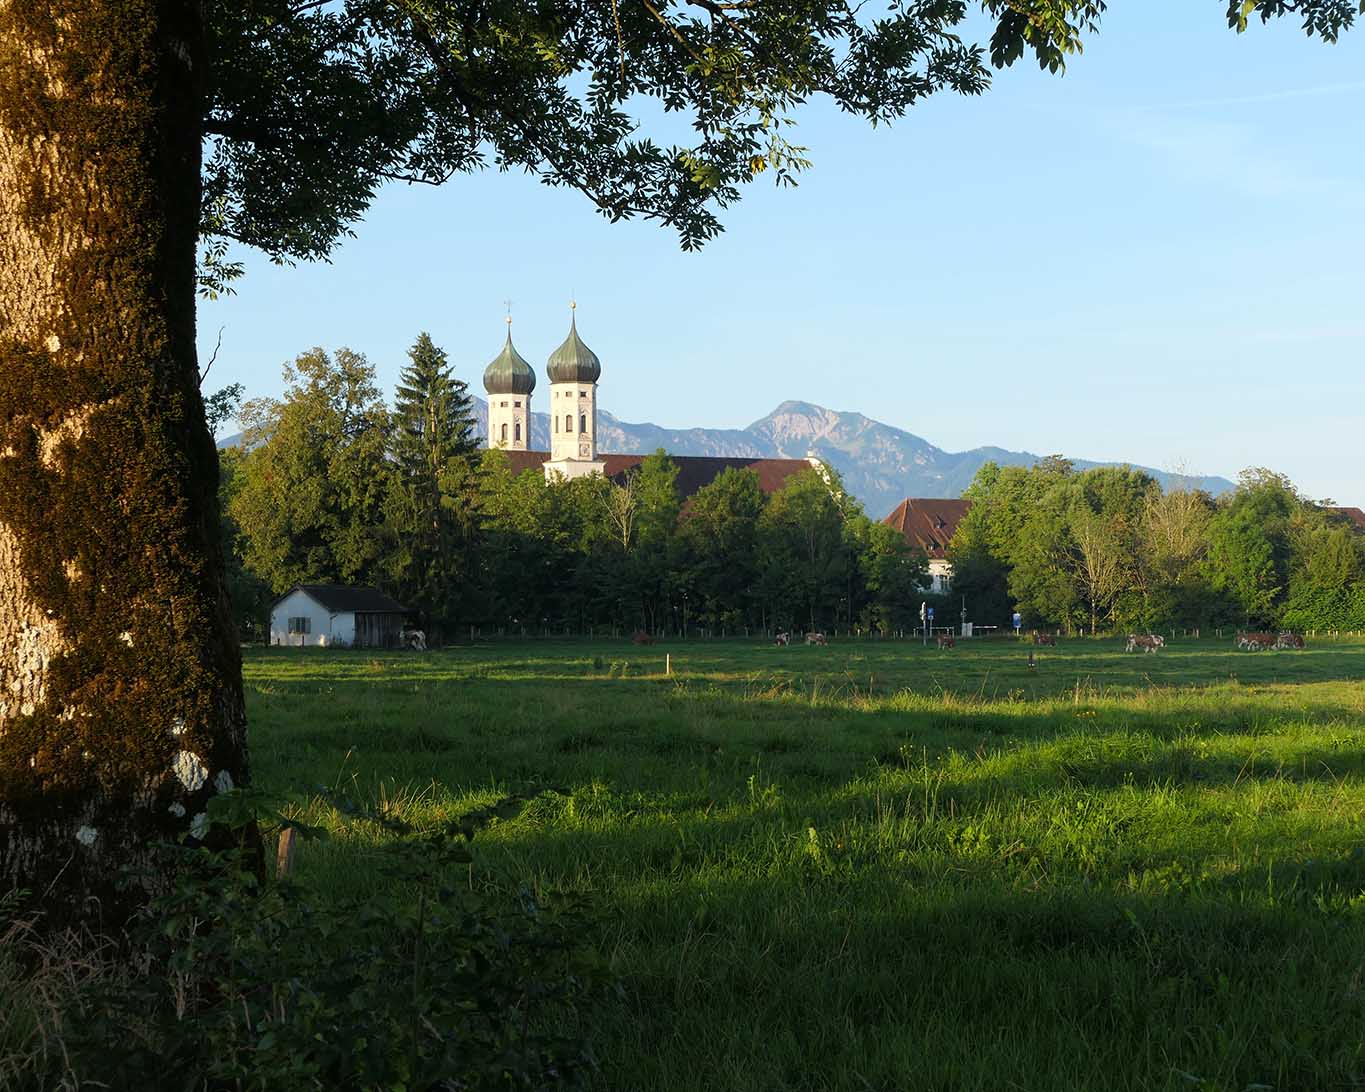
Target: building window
(516, 405)
(582, 394)
(301, 625)
(568, 422)
(556, 423)
(504, 432)
(504, 405)
(583, 422)
(516, 430)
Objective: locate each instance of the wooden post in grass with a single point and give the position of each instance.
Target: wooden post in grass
(668, 663)
(284, 856)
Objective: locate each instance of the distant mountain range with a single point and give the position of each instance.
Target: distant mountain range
(880, 465)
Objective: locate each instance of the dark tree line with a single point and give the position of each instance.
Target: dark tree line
(332, 486)
(1108, 548)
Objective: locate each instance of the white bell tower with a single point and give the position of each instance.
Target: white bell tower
(574, 370)
(509, 381)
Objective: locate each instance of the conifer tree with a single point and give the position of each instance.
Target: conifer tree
(433, 508)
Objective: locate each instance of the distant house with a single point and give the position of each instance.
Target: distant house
(928, 523)
(338, 616)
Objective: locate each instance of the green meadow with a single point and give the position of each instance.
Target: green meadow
(882, 866)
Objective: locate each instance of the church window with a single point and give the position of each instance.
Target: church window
(568, 422)
(516, 432)
(583, 423)
(582, 394)
(517, 405)
(504, 432)
(504, 405)
(556, 422)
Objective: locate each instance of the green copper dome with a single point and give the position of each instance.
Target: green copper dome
(509, 373)
(574, 362)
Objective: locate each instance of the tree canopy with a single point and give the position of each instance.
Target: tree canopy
(662, 109)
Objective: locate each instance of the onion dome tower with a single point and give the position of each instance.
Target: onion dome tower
(509, 381)
(574, 370)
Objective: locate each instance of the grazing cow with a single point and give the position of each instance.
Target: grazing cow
(1256, 642)
(415, 639)
(1044, 639)
(1148, 642)
(640, 637)
(783, 639)
(815, 639)
(1288, 639)
(945, 640)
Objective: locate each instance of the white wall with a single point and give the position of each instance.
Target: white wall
(577, 399)
(325, 628)
(510, 410)
(941, 573)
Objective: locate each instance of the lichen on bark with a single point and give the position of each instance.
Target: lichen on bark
(116, 649)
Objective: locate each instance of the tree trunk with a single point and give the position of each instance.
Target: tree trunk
(120, 678)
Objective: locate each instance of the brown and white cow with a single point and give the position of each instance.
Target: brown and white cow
(815, 639)
(945, 640)
(1288, 639)
(783, 639)
(1256, 642)
(1148, 642)
(1044, 639)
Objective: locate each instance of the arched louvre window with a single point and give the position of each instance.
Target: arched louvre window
(568, 422)
(556, 424)
(516, 432)
(504, 432)
(583, 422)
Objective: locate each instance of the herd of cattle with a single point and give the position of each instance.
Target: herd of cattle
(1258, 642)
(1146, 642)
(812, 638)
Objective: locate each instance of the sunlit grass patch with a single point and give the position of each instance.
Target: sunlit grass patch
(882, 866)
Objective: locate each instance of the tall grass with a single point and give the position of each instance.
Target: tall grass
(879, 866)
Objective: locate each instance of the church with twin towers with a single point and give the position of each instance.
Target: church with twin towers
(573, 370)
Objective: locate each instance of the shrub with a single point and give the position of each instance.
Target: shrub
(253, 985)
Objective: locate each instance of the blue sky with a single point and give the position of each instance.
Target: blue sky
(1154, 258)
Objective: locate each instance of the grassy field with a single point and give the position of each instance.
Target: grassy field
(879, 866)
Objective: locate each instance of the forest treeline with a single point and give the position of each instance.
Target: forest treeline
(1107, 549)
(331, 485)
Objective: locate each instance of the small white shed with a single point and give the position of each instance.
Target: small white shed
(337, 615)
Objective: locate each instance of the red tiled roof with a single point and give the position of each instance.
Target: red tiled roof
(1355, 515)
(928, 522)
(694, 471)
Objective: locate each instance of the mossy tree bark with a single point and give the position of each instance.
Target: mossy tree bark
(120, 680)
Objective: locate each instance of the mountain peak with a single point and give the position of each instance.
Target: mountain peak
(881, 465)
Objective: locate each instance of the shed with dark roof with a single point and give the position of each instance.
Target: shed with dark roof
(337, 615)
